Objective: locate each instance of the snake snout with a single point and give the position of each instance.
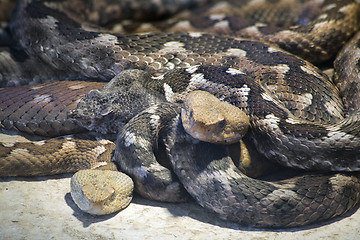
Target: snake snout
(100, 192)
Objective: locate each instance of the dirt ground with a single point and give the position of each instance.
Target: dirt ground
(42, 208)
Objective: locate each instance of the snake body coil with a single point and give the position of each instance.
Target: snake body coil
(296, 115)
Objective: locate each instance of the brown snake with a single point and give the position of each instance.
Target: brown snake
(300, 125)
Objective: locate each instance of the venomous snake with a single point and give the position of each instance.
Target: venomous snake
(297, 117)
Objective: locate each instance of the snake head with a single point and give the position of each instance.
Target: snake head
(98, 111)
(208, 119)
(108, 109)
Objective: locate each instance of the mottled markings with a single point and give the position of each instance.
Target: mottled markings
(234, 71)
(307, 98)
(105, 38)
(105, 141)
(260, 25)
(154, 120)
(197, 77)
(287, 33)
(253, 30)
(39, 143)
(323, 16)
(8, 144)
(220, 6)
(173, 45)
(169, 93)
(293, 121)
(158, 78)
(155, 167)
(330, 6)
(346, 8)
(222, 24)
(69, 144)
(272, 50)
(170, 48)
(267, 97)
(184, 24)
(152, 110)
(236, 52)
(257, 2)
(195, 34)
(245, 89)
(283, 68)
(323, 26)
(45, 98)
(99, 150)
(217, 17)
(129, 138)
(336, 135)
(99, 164)
(36, 87)
(333, 130)
(192, 69)
(147, 28)
(331, 107)
(199, 81)
(272, 121)
(76, 87)
(20, 151)
(244, 92)
(307, 69)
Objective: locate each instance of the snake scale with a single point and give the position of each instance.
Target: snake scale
(297, 117)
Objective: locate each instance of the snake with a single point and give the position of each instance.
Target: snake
(296, 116)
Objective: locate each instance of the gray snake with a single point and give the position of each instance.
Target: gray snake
(290, 123)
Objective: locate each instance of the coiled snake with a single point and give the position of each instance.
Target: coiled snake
(296, 115)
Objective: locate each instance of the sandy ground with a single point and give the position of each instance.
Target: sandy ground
(42, 208)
